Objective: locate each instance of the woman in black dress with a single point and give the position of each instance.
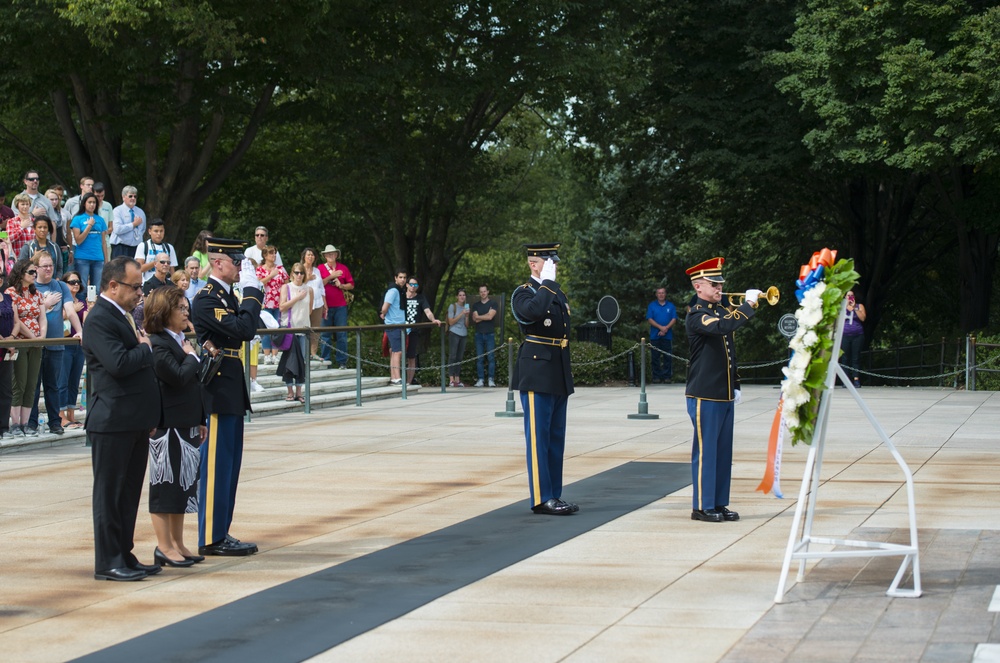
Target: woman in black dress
(173, 447)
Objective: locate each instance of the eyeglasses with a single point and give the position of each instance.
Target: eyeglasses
(163, 262)
(72, 283)
(299, 273)
(135, 286)
(131, 195)
(45, 266)
(31, 272)
(413, 285)
(183, 309)
(261, 235)
(30, 179)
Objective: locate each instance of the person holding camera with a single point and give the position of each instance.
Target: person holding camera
(854, 337)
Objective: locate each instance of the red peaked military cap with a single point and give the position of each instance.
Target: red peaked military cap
(710, 270)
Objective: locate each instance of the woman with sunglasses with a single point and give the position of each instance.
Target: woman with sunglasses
(314, 280)
(417, 310)
(90, 232)
(294, 308)
(273, 276)
(174, 454)
(73, 355)
(29, 306)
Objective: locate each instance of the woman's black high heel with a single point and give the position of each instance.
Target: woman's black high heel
(163, 560)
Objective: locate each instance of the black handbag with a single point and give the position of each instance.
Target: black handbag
(211, 360)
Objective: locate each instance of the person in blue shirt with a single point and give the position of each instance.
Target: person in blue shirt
(662, 316)
(394, 314)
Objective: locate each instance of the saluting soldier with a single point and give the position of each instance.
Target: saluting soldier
(544, 377)
(219, 317)
(713, 388)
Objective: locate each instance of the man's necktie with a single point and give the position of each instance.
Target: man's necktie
(131, 323)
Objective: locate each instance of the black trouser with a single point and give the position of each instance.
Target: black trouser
(6, 393)
(119, 461)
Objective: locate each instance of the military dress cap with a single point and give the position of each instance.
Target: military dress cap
(230, 247)
(710, 270)
(549, 250)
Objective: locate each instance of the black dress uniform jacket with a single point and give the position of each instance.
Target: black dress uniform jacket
(543, 363)
(712, 373)
(218, 316)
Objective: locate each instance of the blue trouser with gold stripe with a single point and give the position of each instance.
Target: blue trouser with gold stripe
(221, 458)
(711, 452)
(545, 441)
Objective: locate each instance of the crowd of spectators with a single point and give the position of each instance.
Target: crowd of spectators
(52, 259)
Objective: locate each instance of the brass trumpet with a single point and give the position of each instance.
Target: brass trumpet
(772, 295)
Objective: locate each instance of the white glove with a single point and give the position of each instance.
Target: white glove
(549, 270)
(737, 396)
(268, 320)
(248, 276)
(752, 296)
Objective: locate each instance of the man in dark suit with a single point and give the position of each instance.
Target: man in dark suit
(124, 408)
(219, 317)
(544, 377)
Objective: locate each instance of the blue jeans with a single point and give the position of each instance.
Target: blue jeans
(55, 387)
(90, 273)
(265, 339)
(72, 370)
(486, 343)
(336, 316)
(663, 366)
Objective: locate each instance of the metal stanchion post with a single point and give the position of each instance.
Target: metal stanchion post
(402, 362)
(247, 345)
(444, 359)
(308, 357)
(357, 370)
(510, 411)
(643, 405)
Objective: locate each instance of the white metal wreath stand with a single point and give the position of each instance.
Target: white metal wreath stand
(799, 548)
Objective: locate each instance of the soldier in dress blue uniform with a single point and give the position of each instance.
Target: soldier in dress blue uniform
(219, 317)
(713, 388)
(543, 377)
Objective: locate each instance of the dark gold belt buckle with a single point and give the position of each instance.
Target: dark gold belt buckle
(564, 343)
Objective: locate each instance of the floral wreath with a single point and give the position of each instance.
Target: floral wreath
(821, 287)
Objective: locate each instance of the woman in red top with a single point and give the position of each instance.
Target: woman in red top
(28, 306)
(273, 277)
(20, 228)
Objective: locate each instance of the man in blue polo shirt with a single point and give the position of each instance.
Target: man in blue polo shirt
(56, 299)
(662, 316)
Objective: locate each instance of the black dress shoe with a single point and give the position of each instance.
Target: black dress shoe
(572, 507)
(726, 513)
(121, 575)
(706, 516)
(148, 569)
(195, 559)
(233, 540)
(227, 548)
(553, 507)
(163, 560)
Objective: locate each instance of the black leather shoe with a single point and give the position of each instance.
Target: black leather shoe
(726, 513)
(195, 559)
(553, 507)
(572, 507)
(148, 569)
(233, 540)
(226, 548)
(706, 516)
(121, 575)
(163, 560)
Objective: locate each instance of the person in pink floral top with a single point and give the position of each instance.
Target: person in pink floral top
(29, 305)
(21, 228)
(273, 276)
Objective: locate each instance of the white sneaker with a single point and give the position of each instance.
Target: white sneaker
(479, 383)
(396, 382)
(255, 387)
(492, 383)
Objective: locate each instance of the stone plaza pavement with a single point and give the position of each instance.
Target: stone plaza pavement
(652, 585)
